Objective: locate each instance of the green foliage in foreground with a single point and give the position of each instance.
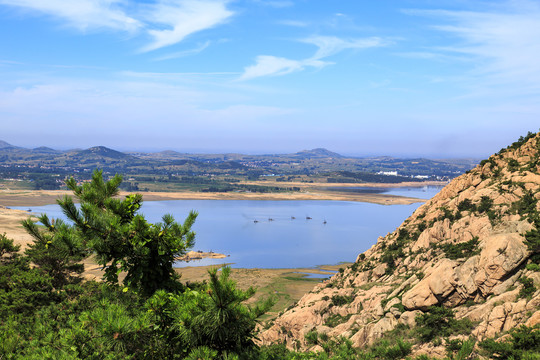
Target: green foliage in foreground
(48, 312)
(91, 320)
(122, 239)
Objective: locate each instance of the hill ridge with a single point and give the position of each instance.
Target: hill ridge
(471, 249)
(317, 153)
(4, 144)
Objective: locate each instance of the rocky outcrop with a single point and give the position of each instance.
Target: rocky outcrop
(464, 249)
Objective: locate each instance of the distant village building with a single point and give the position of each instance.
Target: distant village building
(391, 173)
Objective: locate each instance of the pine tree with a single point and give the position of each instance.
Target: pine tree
(122, 239)
(56, 250)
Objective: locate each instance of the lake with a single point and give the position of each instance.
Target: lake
(229, 227)
(419, 192)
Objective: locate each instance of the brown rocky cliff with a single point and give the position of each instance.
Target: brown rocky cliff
(464, 249)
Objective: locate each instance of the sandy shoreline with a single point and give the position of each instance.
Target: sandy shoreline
(10, 219)
(198, 255)
(286, 286)
(310, 191)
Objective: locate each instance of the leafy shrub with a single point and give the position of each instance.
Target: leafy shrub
(493, 217)
(466, 205)
(523, 344)
(340, 300)
(526, 205)
(336, 319)
(403, 234)
(448, 214)
(485, 204)
(439, 321)
(385, 351)
(312, 337)
(532, 240)
(522, 140)
(461, 250)
(528, 287)
(513, 165)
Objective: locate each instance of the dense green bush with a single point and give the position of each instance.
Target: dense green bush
(466, 205)
(336, 319)
(461, 250)
(448, 214)
(340, 300)
(485, 204)
(528, 287)
(526, 205)
(312, 337)
(513, 165)
(524, 344)
(439, 321)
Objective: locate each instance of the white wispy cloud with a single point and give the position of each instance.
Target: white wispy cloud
(166, 21)
(82, 14)
(502, 42)
(267, 65)
(183, 18)
(183, 53)
(331, 45)
(294, 23)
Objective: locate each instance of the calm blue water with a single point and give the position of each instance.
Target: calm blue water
(422, 192)
(228, 227)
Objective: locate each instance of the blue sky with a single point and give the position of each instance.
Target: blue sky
(406, 78)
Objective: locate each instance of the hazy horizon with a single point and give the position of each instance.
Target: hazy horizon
(408, 78)
(209, 152)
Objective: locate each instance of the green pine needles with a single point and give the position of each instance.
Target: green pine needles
(48, 312)
(122, 239)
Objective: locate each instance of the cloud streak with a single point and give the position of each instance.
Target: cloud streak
(82, 14)
(331, 45)
(183, 18)
(167, 22)
(267, 65)
(503, 43)
(184, 53)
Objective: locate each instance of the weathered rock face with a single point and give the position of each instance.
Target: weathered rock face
(463, 249)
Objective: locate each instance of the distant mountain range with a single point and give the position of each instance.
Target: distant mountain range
(306, 162)
(4, 145)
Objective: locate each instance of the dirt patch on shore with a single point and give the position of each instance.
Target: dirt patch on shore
(198, 255)
(285, 286)
(10, 224)
(310, 191)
